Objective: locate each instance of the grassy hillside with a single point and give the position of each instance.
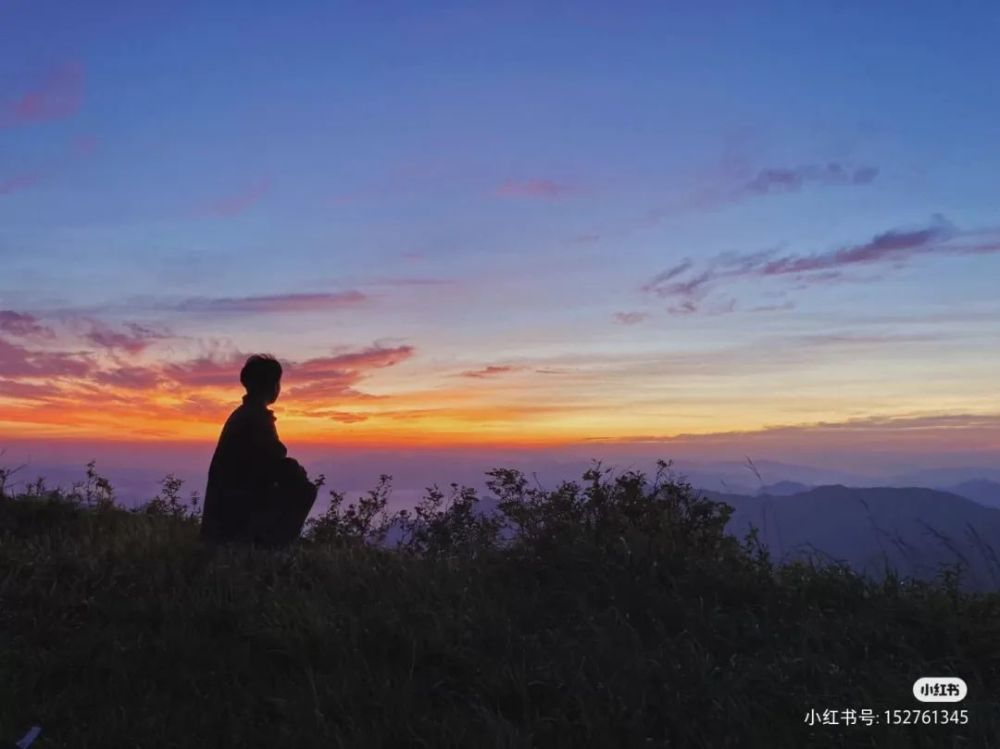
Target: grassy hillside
(620, 615)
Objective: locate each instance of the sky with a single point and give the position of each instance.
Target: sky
(504, 225)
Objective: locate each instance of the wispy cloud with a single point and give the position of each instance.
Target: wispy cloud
(404, 281)
(57, 96)
(782, 307)
(686, 286)
(336, 376)
(630, 318)
(240, 202)
(22, 325)
(26, 390)
(534, 188)
(890, 245)
(130, 377)
(19, 182)
(490, 371)
(205, 371)
(79, 148)
(20, 361)
(344, 417)
(273, 303)
(133, 340)
(778, 180)
(732, 188)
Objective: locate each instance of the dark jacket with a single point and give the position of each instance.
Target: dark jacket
(251, 479)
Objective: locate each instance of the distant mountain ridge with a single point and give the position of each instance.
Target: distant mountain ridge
(914, 531)
(783, 489)
(983, 491)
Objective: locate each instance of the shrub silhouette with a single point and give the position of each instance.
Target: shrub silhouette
(613, 611)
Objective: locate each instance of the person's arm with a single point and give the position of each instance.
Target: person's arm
(283, 470)
(268, 451)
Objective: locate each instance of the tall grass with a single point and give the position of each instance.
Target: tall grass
(608, 612)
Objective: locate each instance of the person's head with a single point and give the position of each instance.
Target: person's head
(261, 376)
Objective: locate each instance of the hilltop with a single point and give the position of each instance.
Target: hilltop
(621, 614)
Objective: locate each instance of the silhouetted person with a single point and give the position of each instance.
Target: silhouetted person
(255, 492)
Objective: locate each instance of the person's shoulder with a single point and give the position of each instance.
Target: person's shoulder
(246, 414)
(254, 415)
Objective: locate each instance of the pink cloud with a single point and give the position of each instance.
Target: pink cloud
(19, 182)
(18, 361)
(138, 378)
(373, 357)
(233, 205)
(335, 376)
(329, 379)
(27, 390)
(206, 371)
(58, 95)
(533, 188)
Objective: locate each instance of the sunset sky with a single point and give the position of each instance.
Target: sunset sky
(502, 223)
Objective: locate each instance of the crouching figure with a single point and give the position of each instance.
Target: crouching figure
(255, 493)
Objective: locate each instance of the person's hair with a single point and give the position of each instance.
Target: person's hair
(260, 373)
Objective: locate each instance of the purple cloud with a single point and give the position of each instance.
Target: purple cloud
(691, 288)
(274, 303)
(890, 245)
(136, 339)
(18, 361)
(770, 180)
(27, 390)
(687, 287)
(776, 180)
(19, 182)
(22, 326)
(660, 278)
(630, 318)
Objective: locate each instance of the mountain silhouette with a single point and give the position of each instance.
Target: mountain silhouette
(914, 531)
